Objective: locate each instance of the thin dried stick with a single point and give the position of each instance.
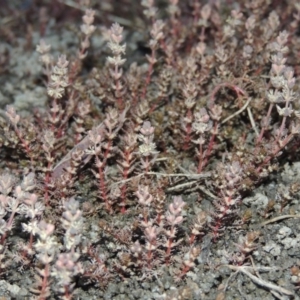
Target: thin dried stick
(266, 284)
(279, 218)
(237, 112)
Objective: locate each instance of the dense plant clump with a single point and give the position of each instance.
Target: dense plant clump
(154, 128)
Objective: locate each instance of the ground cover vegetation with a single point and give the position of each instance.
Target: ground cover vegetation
(131, 136)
